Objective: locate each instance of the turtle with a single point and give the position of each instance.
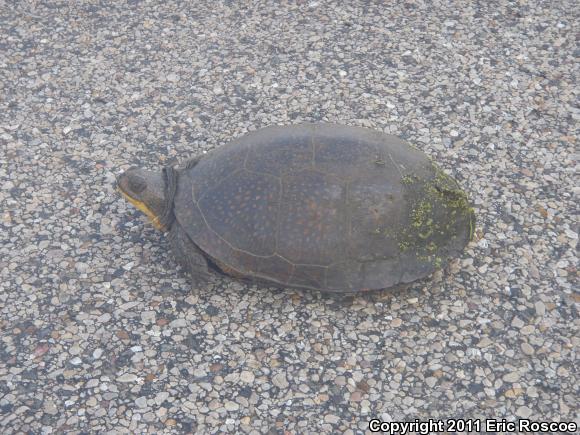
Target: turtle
(316, 206)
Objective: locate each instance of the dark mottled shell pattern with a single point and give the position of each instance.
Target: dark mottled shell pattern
(325, 207)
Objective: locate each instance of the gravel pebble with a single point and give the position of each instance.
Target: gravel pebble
(247, 376)
(141, 402)
(524, 412)
(527, 349)
(161, 397)
(280, 381)
(127, 377)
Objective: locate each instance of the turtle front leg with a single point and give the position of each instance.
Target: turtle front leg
(189, 256)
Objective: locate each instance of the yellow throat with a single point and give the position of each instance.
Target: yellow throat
(143, 208)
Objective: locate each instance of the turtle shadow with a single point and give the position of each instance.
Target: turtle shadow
(332, 300)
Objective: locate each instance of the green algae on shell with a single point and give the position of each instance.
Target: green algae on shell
(438, 210)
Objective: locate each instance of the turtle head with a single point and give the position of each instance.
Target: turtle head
(146, 191)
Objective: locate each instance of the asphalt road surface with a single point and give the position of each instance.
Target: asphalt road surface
(101, 332)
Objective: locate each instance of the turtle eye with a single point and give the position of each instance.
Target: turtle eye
(137, 184)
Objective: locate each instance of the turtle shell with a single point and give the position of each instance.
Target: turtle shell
(325, 207)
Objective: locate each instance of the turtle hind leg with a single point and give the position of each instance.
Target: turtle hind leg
(189, 256)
